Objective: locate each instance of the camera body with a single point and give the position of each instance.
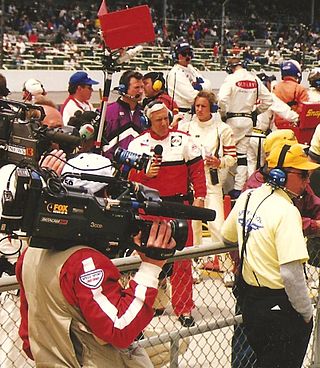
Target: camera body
(24, 138)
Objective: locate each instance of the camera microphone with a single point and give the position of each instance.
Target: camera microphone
(129, 54)
(60, 136)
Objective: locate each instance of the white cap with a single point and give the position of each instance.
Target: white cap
(89, 163)
(33, 86)
(153, 107)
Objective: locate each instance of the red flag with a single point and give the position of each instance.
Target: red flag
(103, 8)
(126, 27)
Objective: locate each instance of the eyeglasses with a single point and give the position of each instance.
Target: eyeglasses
(304, 174)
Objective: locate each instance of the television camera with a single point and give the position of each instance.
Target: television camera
(58, 216)
(23, 138)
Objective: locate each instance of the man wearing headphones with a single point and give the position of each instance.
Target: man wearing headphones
(238, 98)
(289, 90)
(276, 309)
(154, 87)
(177, 164)
(80, 91)
(184, 81)
(125, 119)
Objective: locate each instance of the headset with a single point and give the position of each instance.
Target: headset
(158, 82)
(125, 80)
(210, 97)
(149, 106)
(278, 176)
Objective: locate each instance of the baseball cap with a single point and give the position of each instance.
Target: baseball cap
(295, 157)
(81, 78)
(33, 86)
(89, 163)
(183, 47)
(279, 137)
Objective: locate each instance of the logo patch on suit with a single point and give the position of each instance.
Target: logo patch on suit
(92, 279)
(176, 140)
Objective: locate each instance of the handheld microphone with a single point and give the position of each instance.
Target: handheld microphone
(86, 131)
(158, 149)
(129, 54)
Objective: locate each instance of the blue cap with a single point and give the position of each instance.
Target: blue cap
(81, 78)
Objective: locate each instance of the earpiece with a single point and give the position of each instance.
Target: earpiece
(278, 175)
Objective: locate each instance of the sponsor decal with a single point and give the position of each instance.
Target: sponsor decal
(313, 113)
(195, 149)
(246, 84)
(55, 221)
(92, 279)
(95, 225)
(61, 209)
(176, 140)
(18, 150)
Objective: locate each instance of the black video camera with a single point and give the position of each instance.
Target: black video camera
(59, 217)
(24, 138)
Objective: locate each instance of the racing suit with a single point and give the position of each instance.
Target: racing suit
(71, 105)
(293, 94)
(181, 165)
(214, 138)
(237, 99)
(79, 315)
(183, 86)
(265, 124)
(122, 125)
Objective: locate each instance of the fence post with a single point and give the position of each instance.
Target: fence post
(174, 351)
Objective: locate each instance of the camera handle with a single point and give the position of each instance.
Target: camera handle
(154, 252)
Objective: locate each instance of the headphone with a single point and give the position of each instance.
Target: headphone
(158, 82)
(278, 176)
(149, 106)
(125, 81)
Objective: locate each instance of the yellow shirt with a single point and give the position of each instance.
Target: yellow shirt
(276, 237)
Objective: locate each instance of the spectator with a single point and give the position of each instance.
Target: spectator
(185, 81)
(125, 119)
(238, 96)
(171, 173)
(289, 90)
(272, 274)
(154, 87)
(80, 91)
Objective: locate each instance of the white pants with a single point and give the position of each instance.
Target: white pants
(252, 154)
(241, 126)
(213, 201)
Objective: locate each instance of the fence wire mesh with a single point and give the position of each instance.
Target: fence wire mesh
(216, 340)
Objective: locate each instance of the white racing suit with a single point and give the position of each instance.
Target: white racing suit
(180, 80)
(214, 138)
(265, 124)
(237, 98)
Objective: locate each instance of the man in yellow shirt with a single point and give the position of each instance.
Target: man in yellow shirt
(276, 309)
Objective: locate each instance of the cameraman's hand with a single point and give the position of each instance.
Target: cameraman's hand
(54, 161)
(159, 237)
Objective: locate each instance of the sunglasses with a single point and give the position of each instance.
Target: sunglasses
(304, 174)
(186, 53)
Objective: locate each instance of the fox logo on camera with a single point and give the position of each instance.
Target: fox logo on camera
(61, 209)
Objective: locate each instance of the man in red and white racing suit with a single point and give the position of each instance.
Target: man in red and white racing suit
(171, 173)
(74, 311)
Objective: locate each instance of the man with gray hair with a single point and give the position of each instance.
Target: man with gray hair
(176, 163)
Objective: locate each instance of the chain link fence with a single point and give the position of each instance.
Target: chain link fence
(216, 340)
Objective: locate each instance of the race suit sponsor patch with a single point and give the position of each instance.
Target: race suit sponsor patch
(92, 279)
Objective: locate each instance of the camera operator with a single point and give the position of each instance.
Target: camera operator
(79, 314)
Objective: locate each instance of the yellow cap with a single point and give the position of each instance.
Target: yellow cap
(295, 157)
(279, 137)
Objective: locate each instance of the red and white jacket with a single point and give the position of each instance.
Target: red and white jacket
(89, 282)
(181, 165)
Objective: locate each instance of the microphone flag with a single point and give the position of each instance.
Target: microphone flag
(126, 27)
